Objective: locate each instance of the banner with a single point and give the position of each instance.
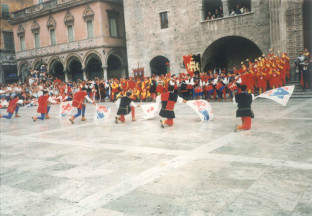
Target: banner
(101, 112)
(149, 110)
(202, 108)
(280, 95)
(65, 108)
(192, 63)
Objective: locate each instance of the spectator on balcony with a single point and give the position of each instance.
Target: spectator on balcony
(209, 16)
(232, 13)
(237, 10)
(221, 11)
(243, 9)
(216, 14)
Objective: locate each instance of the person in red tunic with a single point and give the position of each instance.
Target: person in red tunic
(168, 100)
(43, 102)
(13, 107)
(78, 102)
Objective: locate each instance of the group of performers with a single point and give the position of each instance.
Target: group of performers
(265, 72)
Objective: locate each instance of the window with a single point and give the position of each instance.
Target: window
(164, 20)
(5, 13)
(70, 32)
(52, 37)
(40, 1)
(37, 40)
(8, 40)
(22, 43)
(90, 28)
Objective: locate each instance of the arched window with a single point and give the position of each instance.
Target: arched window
(35, 28)
(51, 24)
(21, 35)
(69, 22)
(88, 16)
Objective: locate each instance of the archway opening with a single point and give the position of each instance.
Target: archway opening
(75, 69)
(94, 67)
(114, 67)
(38, 65)
(159, 65)
(307, 25)
(228, 52)
(58, 70)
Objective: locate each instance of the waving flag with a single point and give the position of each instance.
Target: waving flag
(280, 95)
(66, 108)
(149, 110)
(202, 108)
(101, 112)
(34, 102)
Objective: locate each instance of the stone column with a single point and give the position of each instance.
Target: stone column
(84, 72)
(105, 72)
(66, 76)
(225, 5)
(202, 13)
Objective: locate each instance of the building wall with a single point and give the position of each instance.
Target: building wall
(101, 45)
(265, 26)
(7, 57)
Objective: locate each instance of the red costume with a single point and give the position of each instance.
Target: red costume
(12, 105)
(78, 99)
(43, 104)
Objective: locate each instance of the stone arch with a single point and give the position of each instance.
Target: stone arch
(88, 13)
(51, 24)
(69, 19)
(115, 65)
(93, 64)
(70, 57)
(35, 28)
(37, 64)
(56, 68)
(74, 68)
(159, 65)
(23, 70)
(20, 31)
(229, 51)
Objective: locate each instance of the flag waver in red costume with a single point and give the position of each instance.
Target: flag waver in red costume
(43, 103)
(168, 100)
(13, 107)
(78, 101)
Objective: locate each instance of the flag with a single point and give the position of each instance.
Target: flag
(192, 63)
(280, 95)
(65, 108)
(34, 102)
(101, 112)
(202, 108)
(149, 110)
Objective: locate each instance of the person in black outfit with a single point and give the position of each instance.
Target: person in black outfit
(244, 111)
(126, 105)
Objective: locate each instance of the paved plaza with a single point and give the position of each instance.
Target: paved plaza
(94, 168)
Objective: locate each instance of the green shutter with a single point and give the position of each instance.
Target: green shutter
(90, 28)
(70, 33)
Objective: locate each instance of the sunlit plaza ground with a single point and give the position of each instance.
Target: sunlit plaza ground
(95, 168)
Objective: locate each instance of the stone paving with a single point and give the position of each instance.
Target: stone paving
(92, 168)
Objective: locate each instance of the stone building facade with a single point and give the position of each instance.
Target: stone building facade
(8, 67)
(76, 39)
(221, 42)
